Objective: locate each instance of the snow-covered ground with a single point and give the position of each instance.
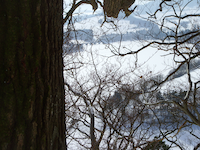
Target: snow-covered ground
(98, 53)
(147, 65)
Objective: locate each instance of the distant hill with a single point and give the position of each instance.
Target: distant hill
(195, 64)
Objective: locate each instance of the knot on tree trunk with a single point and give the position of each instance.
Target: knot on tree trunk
(113, 7)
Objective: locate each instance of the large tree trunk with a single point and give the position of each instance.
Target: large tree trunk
(31, 79)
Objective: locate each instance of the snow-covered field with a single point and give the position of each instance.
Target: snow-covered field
(99, 54)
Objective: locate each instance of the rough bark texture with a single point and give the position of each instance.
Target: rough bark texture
(113, 7)
(31, 78)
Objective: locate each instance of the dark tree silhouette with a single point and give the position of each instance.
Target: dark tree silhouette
(31, 80)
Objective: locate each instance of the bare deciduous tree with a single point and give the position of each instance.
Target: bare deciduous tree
(97, 100)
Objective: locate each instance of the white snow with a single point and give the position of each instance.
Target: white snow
(150, 61)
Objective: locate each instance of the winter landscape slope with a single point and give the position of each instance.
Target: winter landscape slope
(130, 34)
(127, 32)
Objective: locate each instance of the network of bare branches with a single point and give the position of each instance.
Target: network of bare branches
(109, 108)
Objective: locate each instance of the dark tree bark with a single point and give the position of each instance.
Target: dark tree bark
(31, 79)
(113, 7)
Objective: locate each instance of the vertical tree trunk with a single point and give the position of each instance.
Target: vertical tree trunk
(31, 78)
(94, 145)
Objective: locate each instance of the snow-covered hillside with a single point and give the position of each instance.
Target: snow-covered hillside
(136, 26)
(95, 58)
(128, 31)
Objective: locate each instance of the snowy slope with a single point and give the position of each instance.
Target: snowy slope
(127, 32)
(101, 42)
